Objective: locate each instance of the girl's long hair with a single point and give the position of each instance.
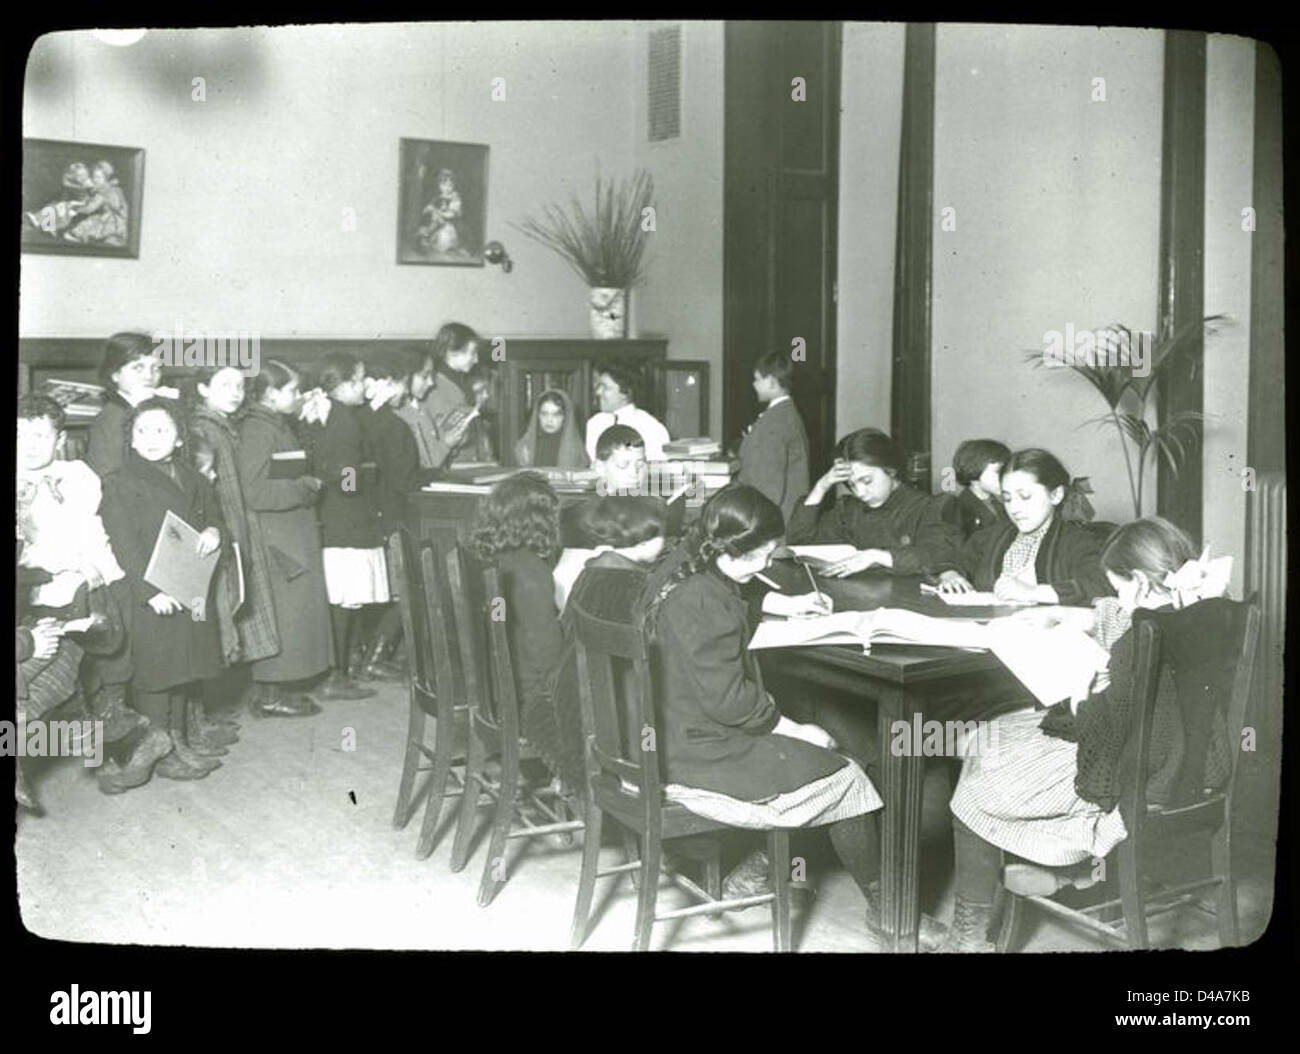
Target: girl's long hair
(521, 512)
(736, 520)
(572, 453)
(1152, 545)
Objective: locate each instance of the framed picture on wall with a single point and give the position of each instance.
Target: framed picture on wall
(442, 203)
(81, 199)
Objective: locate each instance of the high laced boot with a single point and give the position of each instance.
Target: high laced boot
(379, 666)
(202, 740)
(969, 931)
(930, 931)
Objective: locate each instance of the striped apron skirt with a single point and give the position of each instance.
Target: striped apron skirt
(1018, 794)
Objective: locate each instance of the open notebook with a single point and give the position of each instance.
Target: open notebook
(1054, 664)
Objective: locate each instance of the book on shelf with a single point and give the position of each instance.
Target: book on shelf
(1054, 664)
(175, 566)
(79, 399)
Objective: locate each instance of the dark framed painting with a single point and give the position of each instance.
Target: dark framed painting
(81, 199)
(442, 203)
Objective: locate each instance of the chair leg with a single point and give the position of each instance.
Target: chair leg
(494, 867)
(778, 851)
(587, 876)
(651, 853)
(1221, 854)
(1013, 913)
(631, 852)
(1131, 894)
(410, 765)
(441, 772)
(475, 756)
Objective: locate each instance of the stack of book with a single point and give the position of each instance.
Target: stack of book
(80, 401)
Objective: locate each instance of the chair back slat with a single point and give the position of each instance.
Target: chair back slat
(614, 693)
(465, 586)
(404, 573)
(441, 667)
(1145, 688)
(495, 629)
(1243, 681)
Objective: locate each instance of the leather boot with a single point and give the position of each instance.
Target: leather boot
(340, 686)
(273, 701)
(153, 745)
(969, 931)
(23, 793)
(186, 754)
(377, 665)
(930, 931)
(196, 735)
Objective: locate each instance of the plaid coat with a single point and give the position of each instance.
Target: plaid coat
(249, 633)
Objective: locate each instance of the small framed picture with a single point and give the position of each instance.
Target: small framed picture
(442, 203)
(81, 199)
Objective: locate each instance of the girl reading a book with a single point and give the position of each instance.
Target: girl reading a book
(551, 438)
(891, 524)
(452, 405)
(284, 540)
(1049, 793)
(727, 751)
(174, 642)
(356, 573)
(1037, 556)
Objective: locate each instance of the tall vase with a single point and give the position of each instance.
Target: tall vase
(608, 307)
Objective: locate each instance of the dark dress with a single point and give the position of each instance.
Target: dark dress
(282, 520)
(909, 525)
(393, 447)
(1069, 560)
(168, 650)
(774, 456)
(347, 510)
(106, 444)
(716, 719)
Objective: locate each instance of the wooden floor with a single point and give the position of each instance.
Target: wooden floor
(290, 845)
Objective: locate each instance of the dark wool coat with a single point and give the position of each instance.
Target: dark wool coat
(349, 515)
(1189, 737)
(249, 633)
(715, 718)
(281, 519)
(910, 525)
(393, 447)
(168, 650)
(774, 456)
(106, 444)
(1069, 560)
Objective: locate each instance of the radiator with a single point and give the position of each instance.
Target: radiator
(1266, 578)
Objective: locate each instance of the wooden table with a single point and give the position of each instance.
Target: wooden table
(938, 683)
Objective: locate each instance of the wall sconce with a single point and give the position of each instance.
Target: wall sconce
(495, 253)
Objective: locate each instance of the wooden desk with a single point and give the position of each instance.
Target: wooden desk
(939, 683)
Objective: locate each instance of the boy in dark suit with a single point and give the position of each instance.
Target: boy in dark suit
(774, 451)
(977, 464)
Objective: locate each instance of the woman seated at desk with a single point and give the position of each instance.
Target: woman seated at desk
(551, 438)
(890, 523)
(614, 394)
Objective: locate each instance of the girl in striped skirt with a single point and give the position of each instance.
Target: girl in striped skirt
(1049, 791)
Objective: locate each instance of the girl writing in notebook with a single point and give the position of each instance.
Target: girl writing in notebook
(890, 523)
(174, 642)
(1038, 556)
(1049, 793)
(726, 750)
(283, 533)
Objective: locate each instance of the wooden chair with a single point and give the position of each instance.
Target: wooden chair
(432, 688)
(494, 730)
(1191, 813)
(624, 783)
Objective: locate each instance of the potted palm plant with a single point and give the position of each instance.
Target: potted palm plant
(605, 246)
(1128, 398)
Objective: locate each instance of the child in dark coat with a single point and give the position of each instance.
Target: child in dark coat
(174, 639)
